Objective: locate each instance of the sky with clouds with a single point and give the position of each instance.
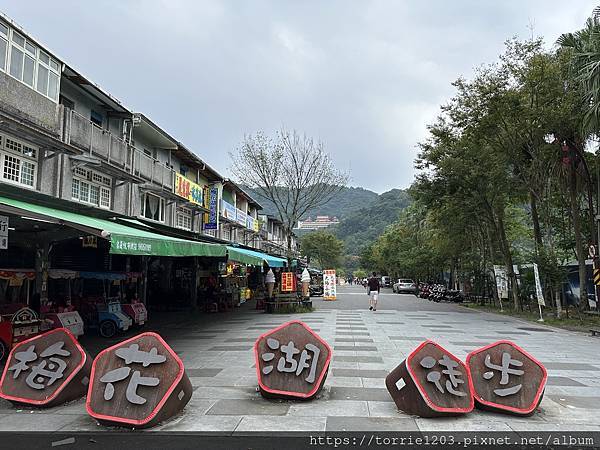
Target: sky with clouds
(364, 77)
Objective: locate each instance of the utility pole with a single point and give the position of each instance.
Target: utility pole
(596, 249)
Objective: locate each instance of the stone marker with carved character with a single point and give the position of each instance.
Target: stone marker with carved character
(138, 383)
(46, 370)
(431, 382)
(506, 378)
(291, 362)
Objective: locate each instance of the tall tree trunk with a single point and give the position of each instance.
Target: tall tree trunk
(558, 304)
(508, 261)
(581, 255)
(483, 269)
(492, 248)
(537, 232)
(289, 248)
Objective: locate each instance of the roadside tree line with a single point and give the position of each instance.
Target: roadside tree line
(508, 173)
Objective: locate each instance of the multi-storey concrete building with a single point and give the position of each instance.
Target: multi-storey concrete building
(68, 144)
(64, 136)
(274, 238)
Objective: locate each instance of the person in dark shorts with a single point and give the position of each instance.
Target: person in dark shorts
(373, 291)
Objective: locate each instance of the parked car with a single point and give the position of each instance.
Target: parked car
(316, 290)
(386, 281)
(405, 285)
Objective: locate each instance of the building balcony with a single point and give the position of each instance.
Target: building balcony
(152, 170)
(99, 143)
(86, 135)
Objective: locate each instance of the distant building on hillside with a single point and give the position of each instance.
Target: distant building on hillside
(319, 223)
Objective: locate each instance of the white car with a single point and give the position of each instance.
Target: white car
(405, 285)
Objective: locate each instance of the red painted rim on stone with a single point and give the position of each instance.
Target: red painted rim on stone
(539, 392)
(65, 382)
(158, 406)
(292, 393)
(424, 392)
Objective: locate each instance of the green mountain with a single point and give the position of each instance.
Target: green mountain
(363, 215)
(364, 225)
(348, 200)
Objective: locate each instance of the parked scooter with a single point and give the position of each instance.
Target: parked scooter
(437, 293)
(424, 290)
(454, 295)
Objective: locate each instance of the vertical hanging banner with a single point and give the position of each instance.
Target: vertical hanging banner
(517, 275)
(538, 286)
(288, 282)
(501, 281)
(329, 285)
(211, 222)
(3, 232)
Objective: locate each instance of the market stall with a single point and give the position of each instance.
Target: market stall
(59, 311)
(15, 327)
(107, 301)
(252, 284)
(17, 320)
(16, 286)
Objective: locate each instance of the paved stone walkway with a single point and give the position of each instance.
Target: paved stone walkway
(219, 361)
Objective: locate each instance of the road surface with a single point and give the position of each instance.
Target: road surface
(217, 352)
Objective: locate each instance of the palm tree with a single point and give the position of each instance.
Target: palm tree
(584, 46)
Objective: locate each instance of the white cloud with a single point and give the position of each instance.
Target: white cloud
(365, 77)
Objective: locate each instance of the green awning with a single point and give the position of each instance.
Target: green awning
(124, 240)
(254, 258)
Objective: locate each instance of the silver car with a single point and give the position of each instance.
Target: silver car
(405, 285)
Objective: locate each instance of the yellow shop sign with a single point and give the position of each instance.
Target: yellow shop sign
(187, 189)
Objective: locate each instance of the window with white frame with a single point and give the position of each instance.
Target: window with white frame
(23, 60)
(91, 187)
(18, 162)
(153, 207)
(212, 233)
(3, 46)
(226, 233)
(184, 218)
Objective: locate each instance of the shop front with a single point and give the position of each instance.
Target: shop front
(17, 321)
(257, 264)
(107, 275)
(89, 267)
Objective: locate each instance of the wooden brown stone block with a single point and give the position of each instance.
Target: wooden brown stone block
(506, 378)
(46, 370)
(431, 382)
(291, 362)
(137, 383)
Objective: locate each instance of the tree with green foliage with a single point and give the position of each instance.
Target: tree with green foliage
(583, 49)
(360, 273)
(322, 248)
(496, 185)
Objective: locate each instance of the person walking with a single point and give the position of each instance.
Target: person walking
(373, 291)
